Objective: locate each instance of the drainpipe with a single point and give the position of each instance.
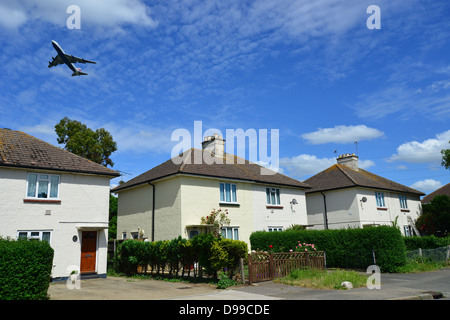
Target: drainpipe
(325, 217)
(153, 212)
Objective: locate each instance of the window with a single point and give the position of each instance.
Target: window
(124, 235)
(403, 203)
(380, 199)
(35, 235)
(230, 233)
(272, 229)
(228, 192)
(273, 196)
(42, 186)
(407, 230)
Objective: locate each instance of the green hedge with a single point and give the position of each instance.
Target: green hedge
(425, 242)
(179, 254)
(339, 244)
(25, 269)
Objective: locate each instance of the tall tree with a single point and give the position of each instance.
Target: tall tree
(446, 158)
(95, 145)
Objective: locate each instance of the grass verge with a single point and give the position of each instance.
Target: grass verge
(322, 279)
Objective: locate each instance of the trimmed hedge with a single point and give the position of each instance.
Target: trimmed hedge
(25, 269)
(426, 242)
(387, 243)
(211, 253)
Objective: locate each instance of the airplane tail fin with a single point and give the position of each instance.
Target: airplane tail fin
(79, 73)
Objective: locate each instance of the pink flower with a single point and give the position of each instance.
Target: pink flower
(290, 250)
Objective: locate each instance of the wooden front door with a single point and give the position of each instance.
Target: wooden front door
(88, 251)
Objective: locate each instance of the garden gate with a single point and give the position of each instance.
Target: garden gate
(263, 266)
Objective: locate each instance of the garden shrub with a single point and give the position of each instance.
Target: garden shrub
(425, 242)
(209, 252)
(25, 269)
(338, 244)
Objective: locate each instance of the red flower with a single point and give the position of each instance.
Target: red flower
(270, 246)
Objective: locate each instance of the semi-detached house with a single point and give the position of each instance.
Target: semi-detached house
(50, 194)
(169, 200)
(345, 195)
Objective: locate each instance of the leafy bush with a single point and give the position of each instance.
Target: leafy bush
(209, 252)
(25, 269)
(338, 244)
(425, 242)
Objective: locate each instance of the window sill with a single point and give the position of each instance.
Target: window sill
(268, 206)
(404, 210)
(41, 201)
(379, 208)
(231, 204)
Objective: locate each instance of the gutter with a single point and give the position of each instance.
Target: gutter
(325, 216)
(153, 211)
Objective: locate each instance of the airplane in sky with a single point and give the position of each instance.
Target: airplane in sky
(68, 59)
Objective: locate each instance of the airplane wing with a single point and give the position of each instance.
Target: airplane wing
(56, 61)
(73, 59)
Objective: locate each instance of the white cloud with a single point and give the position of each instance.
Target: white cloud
(427, 185)
(107, 13)
(342, 134)
(305, 165)
(422, 152)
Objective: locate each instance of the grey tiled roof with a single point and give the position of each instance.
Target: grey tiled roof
(20, 150)
(340, 176)
(230, 168)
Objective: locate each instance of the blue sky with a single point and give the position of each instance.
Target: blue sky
(311, 69)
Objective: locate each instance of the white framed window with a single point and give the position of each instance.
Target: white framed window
(124, 235)
(273, 229)
(407, 230)
(230, 233)
(380, 199)
(34, 235)
(43, 186)
(273, 196)
(228, 192)
(403, 202)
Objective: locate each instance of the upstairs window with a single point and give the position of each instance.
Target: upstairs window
(273, 196)
(42, 186)
(403, 203)
(380, 199)
(228, 192)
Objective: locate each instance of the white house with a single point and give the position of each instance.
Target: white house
(345, 195)
(169, 200)
(50, 194)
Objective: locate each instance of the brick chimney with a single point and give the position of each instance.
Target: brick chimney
(215, 144)
(349, 160)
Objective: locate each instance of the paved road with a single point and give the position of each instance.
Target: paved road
(393, 286)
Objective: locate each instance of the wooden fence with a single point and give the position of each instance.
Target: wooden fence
(263, 266)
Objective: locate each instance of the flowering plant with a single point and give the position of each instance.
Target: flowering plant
(217, 218)
(304, 247)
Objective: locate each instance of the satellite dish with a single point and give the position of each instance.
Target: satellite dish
(364, 199)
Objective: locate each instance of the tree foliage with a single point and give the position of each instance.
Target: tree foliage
(435, 218)
(445, 158)
(95, 145)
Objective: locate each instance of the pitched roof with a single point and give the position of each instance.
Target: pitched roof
(232, 167)
(340, 176)
(20, 150)
(442, 190)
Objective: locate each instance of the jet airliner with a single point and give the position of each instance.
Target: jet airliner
(68, 59)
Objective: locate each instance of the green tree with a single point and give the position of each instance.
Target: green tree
(435, 218)
(95, 145)
(445, 158)
(112, 229)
